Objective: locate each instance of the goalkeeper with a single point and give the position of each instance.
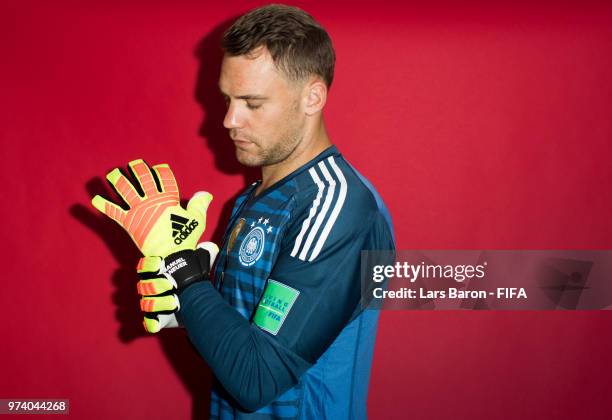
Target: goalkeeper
(279, 320)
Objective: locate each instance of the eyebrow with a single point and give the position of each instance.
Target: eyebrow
(246, 97)
(251, 97)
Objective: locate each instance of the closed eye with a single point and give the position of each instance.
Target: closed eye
(248, 99)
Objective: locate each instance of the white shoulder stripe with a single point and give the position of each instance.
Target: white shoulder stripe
(313, 211)
(326, 204)
(335, 211)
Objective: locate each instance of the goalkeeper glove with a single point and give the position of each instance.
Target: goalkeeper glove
(163, 278)
(156, 222)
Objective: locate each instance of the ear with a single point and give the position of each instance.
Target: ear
(315, 96)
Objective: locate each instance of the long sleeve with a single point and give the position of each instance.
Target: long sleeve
(250, 364)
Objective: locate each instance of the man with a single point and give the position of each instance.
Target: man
(281, 324)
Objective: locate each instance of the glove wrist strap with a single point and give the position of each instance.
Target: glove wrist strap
(187, 267)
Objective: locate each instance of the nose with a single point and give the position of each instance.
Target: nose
(232, 118)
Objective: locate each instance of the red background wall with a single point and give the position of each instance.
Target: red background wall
(482, 126)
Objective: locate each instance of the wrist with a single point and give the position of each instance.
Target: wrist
(187, 267)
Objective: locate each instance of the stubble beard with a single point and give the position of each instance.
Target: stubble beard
(278, 152)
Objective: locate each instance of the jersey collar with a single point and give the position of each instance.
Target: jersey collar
(330, 151)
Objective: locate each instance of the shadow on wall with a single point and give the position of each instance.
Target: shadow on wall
(215, 136)
(190, 368)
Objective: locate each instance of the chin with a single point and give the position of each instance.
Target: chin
(247, 160)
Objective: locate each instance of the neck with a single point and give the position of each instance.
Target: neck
(311, 145)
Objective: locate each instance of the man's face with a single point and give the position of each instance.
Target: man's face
(264, 109)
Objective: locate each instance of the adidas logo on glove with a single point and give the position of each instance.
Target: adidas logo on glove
(180, 229)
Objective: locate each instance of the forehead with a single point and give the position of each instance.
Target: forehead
(253, 74)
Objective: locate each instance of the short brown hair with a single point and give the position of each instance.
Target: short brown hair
(299, 46)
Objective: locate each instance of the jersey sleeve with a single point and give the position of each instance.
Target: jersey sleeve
(250, 365)
(313, 292)
(308, 299)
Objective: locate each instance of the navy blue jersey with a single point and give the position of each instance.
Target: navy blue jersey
(282, 328)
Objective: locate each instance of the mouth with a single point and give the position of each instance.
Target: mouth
(241, 142)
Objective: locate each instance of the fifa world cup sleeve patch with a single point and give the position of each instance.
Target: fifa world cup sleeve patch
(274, 306)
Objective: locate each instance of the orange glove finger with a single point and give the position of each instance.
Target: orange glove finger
(166, 179)
(159, 303)
(143, 174)
(149, 264)
(110, 209)
(152, 287)
(124, 187)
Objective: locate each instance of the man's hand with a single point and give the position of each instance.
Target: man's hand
(163, 278)
(159, 226)
(155, 221)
